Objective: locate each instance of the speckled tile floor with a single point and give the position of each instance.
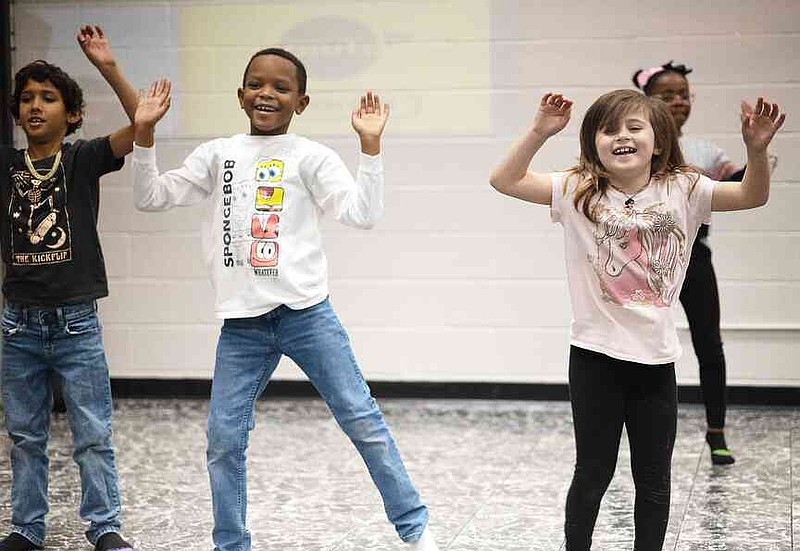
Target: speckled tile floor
(494, 474)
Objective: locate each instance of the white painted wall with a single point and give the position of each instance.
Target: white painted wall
(457, 283)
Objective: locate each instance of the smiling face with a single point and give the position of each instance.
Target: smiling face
(673, 89)
(625, 147)
(43, 116)
(271, 95)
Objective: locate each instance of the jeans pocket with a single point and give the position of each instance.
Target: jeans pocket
(11, 326)
(83, 324)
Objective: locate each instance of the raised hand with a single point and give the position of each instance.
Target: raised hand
(553, 114)
(95, 45)
(760, 123)
(154, 104)
(370, 116)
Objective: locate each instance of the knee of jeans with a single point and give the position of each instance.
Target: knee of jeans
(35, 442)
(223, 441)
(363, 425)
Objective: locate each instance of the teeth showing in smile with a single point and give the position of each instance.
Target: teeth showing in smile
(624, 151)
(265, 108)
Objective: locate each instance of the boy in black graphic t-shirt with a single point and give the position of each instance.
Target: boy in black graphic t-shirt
(49, 196)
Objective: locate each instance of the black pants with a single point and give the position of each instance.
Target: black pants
(605, 394)
(700, 300)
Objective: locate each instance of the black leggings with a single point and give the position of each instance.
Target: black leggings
(605, 394)
(700, 300)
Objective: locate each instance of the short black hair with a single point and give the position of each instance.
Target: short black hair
(41, 71)
(302, 76)
(668, 67)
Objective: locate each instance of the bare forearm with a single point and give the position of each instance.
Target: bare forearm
(514, 166)
(144, 135)
(370, 145)
(755, 184)
(128, 97)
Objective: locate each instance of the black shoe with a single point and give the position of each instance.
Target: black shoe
(720, 454)
(112, 541)
(18, 542)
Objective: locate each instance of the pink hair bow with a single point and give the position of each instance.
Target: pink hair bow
(646, 74)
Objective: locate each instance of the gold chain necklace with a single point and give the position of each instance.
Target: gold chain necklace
(36, 173)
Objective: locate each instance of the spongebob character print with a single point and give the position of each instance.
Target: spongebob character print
(265, 218)
(639, 255)
(40, 225)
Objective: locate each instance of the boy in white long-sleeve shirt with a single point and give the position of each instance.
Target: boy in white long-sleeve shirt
(262, 245)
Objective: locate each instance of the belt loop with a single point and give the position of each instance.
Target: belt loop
(60, 315)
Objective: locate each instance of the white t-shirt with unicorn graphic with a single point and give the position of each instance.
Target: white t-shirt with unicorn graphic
(626, 270)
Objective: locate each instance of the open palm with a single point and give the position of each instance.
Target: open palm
(370, 116)
(553, 114)
(760, 123)
(95, 45)
(154, 104)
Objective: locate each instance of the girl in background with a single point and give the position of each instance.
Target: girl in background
(699, 295)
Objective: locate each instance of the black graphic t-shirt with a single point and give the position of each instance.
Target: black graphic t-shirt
(50, 245)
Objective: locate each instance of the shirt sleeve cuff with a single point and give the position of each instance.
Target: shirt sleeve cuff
(370, 163)
(145, 155)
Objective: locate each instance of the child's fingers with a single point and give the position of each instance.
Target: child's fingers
(776, 110)
(778, 123)
(99, 31)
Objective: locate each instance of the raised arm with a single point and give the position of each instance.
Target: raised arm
(359, 202)
(182, 186)
(368, 120)
(95, 46)
(511, 176)
(759, 126)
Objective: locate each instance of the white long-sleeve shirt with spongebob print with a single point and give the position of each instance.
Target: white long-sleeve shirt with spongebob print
(261, 235)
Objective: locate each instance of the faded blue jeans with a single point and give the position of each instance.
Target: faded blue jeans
(247, 354)
(66, 342)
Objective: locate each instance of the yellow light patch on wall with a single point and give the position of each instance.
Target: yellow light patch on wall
(432, 67)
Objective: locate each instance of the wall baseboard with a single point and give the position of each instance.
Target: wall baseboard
(201, 388)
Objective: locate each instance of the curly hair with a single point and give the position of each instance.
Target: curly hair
(42, 71)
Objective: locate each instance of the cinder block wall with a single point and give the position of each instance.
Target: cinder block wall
(457, 283)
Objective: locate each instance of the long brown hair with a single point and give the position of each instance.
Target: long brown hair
(606, 113)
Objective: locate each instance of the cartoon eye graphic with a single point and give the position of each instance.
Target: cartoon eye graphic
(269, 171)
(263, 254)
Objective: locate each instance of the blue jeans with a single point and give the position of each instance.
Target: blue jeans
(65, 342)
(247, 354)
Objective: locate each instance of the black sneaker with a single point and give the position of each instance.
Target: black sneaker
(112, 541)
(18, 542)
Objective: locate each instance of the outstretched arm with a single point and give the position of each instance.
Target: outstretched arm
(154, 191)
(511, 176)
(96, 47)
(759, 126)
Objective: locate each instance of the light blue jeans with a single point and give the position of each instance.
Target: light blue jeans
(247, 354)
(66, 342)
